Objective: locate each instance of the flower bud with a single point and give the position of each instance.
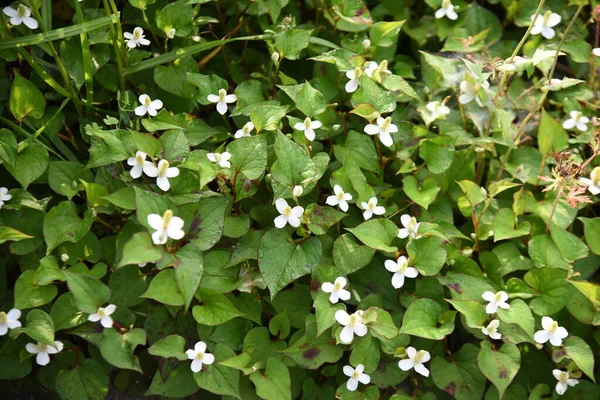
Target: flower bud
(196, 38)
(366, 43)
(171, 33)
(275, 57)
(297, 191)
(64, 257)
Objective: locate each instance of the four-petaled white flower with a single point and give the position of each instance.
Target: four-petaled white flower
(411, 227)
(199, 356)
(9, 320)
(470, 91)
(222, 99)
(596, 51)
(22, 15)
(446, 10)
(544, 23)
(162, 174)
(381, 68)
(383, 128)
(354, 82)
(167, 226)
(136, 38)
(245, 131)
(495, 300)
(336, 289)
(564, 381)
(492, 330)
(138, 163)
(340, 198)
(4, 196)
(577, 120)
(43, 351)
(437, 110)
(415, 360)
(220, 158)
(371, 208)
(593, 183)
(356, 375)
(103, 315)
(352, 323)
(308, 126)
(148, 106)
(401, 270)
(288, 215)
(551, 332)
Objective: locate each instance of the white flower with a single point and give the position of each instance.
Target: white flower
(411, 227)
(381, 69)
(544, 24)
(308, 126)
(596, 51)
(492, 330)
(551, 332)
(356, 375)
(495, 300)
(171, 33)
(354, 82)
(339, 198)
(415, 360)
(43, 351)
(336, 289)
(288, 214)
(437, 110)
(10, 320)
(383, 128)
(166, 227)
(222, 99)
(245, 131)
(22, 15)
(446, 10)
(297, 191)
(103, 315)
(352, 324)
(199, 356)
(564, 381)
(162, 173)
(138, 163)
(401, 270)
(577, 120)
(593, 183)
(4, 196)
(148, 106)
(371, 208)
(220, 158)
(136, 38)
(470, 91)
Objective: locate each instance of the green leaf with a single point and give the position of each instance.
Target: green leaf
(216, 309)
(438, 153)
(10, 234)
(291, 43)
(140, 249)
(427, 254)
(571, 247)
(171, 346)
(473, 311)
(293, 166)
(274, 383)
(384, 34)
(361, 149)
(163, 288)
(39, 327)
(279, 325)
(88, 292)
(553, 289)
(267, 117)
(310, 101)
(377, 233)
(325, 312)
(367, 353)
(321, 218)
(176, 15)
(499, 365)
(425, 318)
(220, 379)
(350, 256)
(461, 377)
(117, 349)
(505, 225)
(282, 261)
(26, 100)
(30, 164)
(206, 219)
(580, 352)
(551, 135)
(175, 144)
(465, 287)
(189, 269)
(423, 194)
(62, 224)
(206, 84)
(380, 323)
(8, 147)
(127, 284)
(520, 314)
(88, 380)
(30, 295)
(591, 229)
(179, 383)
(249, 155)
(544, 253)
(65, 313)
(371, 93)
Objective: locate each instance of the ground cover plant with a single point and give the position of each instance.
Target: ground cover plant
(316, 199)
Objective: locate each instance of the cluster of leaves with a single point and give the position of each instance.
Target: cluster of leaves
(295, 145)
